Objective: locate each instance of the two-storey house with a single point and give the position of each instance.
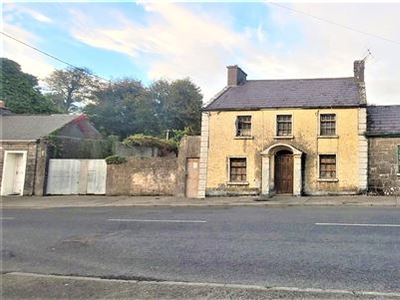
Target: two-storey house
(297, 136)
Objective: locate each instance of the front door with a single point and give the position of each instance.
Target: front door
(192, 179)
(13, 178)
(284, 172)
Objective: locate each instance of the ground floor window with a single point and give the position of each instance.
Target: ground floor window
(237, 169)
(398, 159)
(327, 166)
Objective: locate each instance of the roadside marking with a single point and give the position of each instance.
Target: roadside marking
(353, 293)
(6, 218)
(156, 221)
(359, 225)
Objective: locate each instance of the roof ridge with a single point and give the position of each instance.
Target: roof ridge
(300, 79)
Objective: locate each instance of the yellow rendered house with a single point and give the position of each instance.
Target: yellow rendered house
(297, 136)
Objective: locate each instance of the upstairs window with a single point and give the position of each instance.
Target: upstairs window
(284, 125)
(243, 126)
(327, 124)
(237, 170)
(327, 166)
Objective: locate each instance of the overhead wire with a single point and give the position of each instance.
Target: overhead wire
(336, 24)
(272, 3)
(53, 57)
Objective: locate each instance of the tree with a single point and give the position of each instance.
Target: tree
(20, 91)
(123, 108)
(177, 104)
(72, 88)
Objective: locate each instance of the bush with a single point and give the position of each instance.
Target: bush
(115, 160)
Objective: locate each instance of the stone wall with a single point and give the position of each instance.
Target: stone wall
(383, 171)
(147, 176)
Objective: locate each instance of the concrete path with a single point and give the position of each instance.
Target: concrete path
(276, 201)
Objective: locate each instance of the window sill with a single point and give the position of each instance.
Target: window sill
(282, 137)
(327, 180)
(247, 137)
(237, 183)
(328, 136)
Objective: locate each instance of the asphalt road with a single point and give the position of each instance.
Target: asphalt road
(343, 248)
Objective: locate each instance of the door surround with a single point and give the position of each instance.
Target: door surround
(9, 168)
(268, 168)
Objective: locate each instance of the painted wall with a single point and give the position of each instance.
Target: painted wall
(223, 143)
(383, 171)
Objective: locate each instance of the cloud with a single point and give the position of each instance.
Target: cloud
(31, 61)
(176, 42)
(37, 16)
(13, 11)
(329, 49)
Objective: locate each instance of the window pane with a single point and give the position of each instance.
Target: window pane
(284, 125)
(243, 126)
(237, 169)
(398, 157)
(328, 124)
(327, 166)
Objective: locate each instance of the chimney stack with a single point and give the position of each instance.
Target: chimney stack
(359, 70)
(236, 76)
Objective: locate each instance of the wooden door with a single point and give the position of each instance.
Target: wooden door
(284, 172)
(192, 178)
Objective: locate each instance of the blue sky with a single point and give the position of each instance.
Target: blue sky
(149, 40)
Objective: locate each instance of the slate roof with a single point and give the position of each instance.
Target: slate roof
(31, 127)
(383, 120)
(288, 93)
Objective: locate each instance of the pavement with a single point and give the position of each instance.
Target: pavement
(41, 202)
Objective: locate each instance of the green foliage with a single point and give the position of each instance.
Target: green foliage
(177, 135)
(177, 104)
(123, 108)
(115, 160)
(64, 147)
(72, 88)
(20, 91)
(126, 107)
(142, 140)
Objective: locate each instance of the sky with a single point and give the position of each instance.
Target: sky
(151, 40)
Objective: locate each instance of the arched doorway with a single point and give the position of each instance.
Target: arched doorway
(284, 172)
(281, 170)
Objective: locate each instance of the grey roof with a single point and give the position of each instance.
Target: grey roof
(31, 127)
(383, 120)
(290, 93)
